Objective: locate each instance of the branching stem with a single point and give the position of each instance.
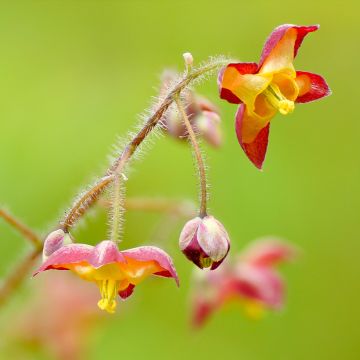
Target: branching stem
(92, 195)
(21, 228)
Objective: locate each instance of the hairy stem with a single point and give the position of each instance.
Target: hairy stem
(198, 157)
(116, 210)
(21, 228)
(90, 197)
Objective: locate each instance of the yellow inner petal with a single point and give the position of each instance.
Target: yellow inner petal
(281, 56)
(114, 277)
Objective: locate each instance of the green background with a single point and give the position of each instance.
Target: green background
(75, 74)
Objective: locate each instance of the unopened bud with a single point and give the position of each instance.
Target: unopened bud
(205, 242)
(188, 58)
(54, 241)
(208, 125)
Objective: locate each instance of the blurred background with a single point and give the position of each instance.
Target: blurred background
(75, 74)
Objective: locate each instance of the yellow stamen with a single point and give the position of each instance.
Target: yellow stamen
(205, 262)
(278, 100)
(109, 290)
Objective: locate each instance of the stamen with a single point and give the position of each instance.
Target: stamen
(205, 262)
(278, 100)
(108, 290)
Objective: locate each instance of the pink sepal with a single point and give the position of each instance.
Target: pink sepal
(269, 252)
(260, 283)
(152, 253)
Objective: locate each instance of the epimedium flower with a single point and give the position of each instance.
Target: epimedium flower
(58, 317)
(115, 272)
(205, 242)
(273, 85)
(203, 115)
(250, 280)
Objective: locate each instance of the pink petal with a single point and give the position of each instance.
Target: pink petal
(242, 68)
(314, 87)
(279, 32)
(256, 150)
(152, 253)
(269, 252)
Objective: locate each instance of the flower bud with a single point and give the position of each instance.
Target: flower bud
(54, 241)
(188, 58)
(205, 242)
(208, 126)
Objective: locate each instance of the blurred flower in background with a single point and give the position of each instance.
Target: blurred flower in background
(203, 115)
(58, 319)
(249, 279)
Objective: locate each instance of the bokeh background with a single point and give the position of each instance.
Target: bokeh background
(75, 74)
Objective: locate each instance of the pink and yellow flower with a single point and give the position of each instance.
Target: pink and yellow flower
(269, 87)
(250, 279)
(115, 272)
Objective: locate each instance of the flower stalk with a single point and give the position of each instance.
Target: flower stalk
(198, 157)
(117, 209)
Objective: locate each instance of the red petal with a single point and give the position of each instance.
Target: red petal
(256, 150)
(124, 294)
(242, 68)
(312, 87)
(279, 32)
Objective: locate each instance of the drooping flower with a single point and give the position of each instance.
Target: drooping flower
(205, 242)
(250, 280)
(115, 272)
(270, 86)
(203, 116)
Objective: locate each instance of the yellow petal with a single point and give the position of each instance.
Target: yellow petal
(254, 121)
(247, 86)
(281, 56)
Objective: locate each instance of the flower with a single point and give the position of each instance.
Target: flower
(205, 242)
(268, 87)
(58, 317)
(114, 271)
(203, 116)
(250, 279)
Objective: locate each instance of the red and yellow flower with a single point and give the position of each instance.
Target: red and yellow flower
(115, 272)
(269, 87)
